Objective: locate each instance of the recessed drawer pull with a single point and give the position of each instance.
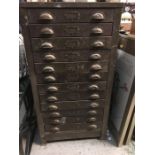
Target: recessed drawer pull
(92, 112)
(91, 119)
(52, 99)
(55, 121)
(46, 45)
(48, 69)
(46, 16)
(95, 77)
(55, 114)
(96, 67)
(46, 31)
(97, 30)
(92, 126)
(52, 89)
(98, 16)
(94, 105)
(49, 57)
(98, 44)
(95, 56)
(53, 107)
(93, 87)
(94, 96)
(49, 79)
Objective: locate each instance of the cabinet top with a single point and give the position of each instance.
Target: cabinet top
(71, 5)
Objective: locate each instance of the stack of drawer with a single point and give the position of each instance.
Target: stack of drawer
(71, 50)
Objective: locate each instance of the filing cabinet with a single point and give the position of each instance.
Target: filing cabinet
(71, 51)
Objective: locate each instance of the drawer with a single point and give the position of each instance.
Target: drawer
(71, 43)
(71, 105)
(72, 87)
(72, 67)
(71, 56)
(75, 126)
(71, 120)
(71, 96)
(68, 30)
(71, 77)
(76, 134)
(73, 113)
(45, 16)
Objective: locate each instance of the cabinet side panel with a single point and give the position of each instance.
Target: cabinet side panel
(26, 35)
(112, 63)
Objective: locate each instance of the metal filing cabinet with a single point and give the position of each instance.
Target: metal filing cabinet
(71, 51)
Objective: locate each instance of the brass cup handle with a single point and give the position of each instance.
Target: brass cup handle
(98, 44)
(52, 99)
(97, 30)
(98, 16)
(46, 31)
(92, 126)
(53, 107)
(91, 119)
(49, 57)
(46, 16)
(94, 105)
(96, 67)
(48, 69)
(46, 45)
(92, 112)
(49, 79)
(55, 129)
(52, 89)
(94, 96)
(95, 77)
(93, 87)
(95, 56)
(55, 114)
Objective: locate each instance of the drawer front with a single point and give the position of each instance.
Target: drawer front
(78, 134)
(71, 56)
(68, 30)
(72, 87)
(71, 120)
(76, 126)
(45, 16)
(72, 113)
(71, 77)
(71, 43)
(71, 96)
(75, 67)
(71, 105)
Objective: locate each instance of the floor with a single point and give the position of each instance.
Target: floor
(83, 147)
